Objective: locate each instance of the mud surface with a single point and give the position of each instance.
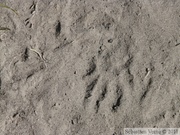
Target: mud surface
(89, 67)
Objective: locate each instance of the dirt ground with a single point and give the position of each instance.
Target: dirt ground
(89, 67)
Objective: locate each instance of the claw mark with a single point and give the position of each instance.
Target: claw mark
(89, 89)
(101, 98)
(177, 44)
(131, 78)
(130, 75)
(0, 83)
(25, 55)
(58, 28)
(30, 75)
(117, 104)
(92, 68)
(33, 7)
(146, 90)
(27, 23)
(128, 62)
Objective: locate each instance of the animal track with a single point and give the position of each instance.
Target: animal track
(117, 103)
(89, 90)
(101, 97)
